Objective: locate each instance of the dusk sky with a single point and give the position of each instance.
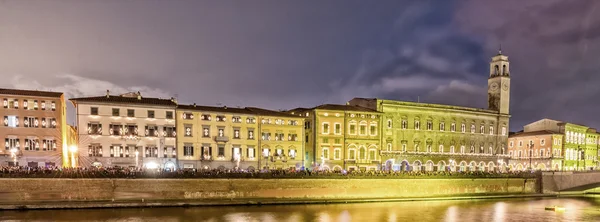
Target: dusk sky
(286, 54)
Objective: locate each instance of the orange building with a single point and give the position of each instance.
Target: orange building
(34, 128)
(541, 150)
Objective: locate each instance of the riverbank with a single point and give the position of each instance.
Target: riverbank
(95, 193)
(58, 205)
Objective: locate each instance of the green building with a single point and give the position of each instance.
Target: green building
(432, 137)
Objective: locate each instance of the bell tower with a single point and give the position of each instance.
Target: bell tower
(499, 84)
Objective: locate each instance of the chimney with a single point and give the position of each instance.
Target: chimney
(139, 95)
(224, 107)
(194, 104)
(107, 93)
(173, 100)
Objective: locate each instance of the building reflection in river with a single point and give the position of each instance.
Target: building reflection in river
(578, 209)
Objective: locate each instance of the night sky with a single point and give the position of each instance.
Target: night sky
(286, 54)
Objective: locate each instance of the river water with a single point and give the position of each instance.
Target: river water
(528, 210)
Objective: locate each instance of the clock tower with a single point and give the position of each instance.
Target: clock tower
(499, 84)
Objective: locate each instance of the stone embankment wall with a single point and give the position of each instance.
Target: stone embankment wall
(36, 190)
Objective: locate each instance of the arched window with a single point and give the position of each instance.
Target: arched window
(362, 153)
(504, 70)
(496, 70)
(389, 147)
(389, 123)
(462, 149)
(441, 149)
(451, 149)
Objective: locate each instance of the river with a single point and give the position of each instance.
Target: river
(529, 210)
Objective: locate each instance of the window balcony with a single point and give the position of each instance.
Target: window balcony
(222, 139)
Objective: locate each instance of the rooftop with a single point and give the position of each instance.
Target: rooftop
(344, 108)
(20, 92)
(534, 133)
(221, 109)
(430, 105)
(266, 112)
(127, 98)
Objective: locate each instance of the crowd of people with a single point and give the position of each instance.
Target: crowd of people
(131, 173)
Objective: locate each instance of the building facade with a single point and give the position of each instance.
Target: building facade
(539, 150)
(126, 130)
(577, 144)
(34, 128)
(217, 138)
(433, 137)
(342, 137)
(280, 141)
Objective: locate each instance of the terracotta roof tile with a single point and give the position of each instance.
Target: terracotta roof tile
(126, 100)
(20, 92)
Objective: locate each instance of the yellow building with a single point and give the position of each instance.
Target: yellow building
(216, 137)
(342, 137)
(281, 141)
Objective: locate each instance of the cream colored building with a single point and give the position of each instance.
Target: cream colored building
(34, 128)
(126, 130)
(217, 137)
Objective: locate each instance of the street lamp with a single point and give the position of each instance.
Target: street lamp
(13, 153)
(530, 154)
(73, 150)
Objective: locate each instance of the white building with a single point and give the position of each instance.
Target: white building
(126, 130)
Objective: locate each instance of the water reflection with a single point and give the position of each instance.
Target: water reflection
(578, 209)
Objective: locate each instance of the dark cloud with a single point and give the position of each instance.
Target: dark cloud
(283, 54)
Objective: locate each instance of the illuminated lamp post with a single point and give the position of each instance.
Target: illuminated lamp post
(13, 154)
(73, 149)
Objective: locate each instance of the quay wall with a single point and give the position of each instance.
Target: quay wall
(23, 190)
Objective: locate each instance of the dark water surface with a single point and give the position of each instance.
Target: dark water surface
(529, 210)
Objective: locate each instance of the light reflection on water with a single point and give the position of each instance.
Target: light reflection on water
(530, 210)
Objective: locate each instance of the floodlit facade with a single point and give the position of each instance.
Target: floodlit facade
(433, 137)
(126, 130)
(540, 150)
(34, 128)
(342, 137)
(217, 138)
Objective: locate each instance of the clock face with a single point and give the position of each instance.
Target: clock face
(505, 86)
(494, 87)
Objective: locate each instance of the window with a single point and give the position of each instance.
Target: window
(115, 129)
(404, 147)
(463, 128)
(292, 153)
(169, 114)
(337, 153)
(94, 129)
(53, 105)
(491, 130)
(429, 125)
(337, 141)
(352, 154)
(325, 154)
(151, 151)
(389, 123)
(32, 144)
(441, 149)
(25, 104)
(115, 112)
(169, 131)
(373, 130)
(221, 118)
(362, 128)
(205, 117)
(11, 121)
(362, 153)
(404, 124)
(131, 130)
(251, 153)
(520, 143)
(511, 143)
(482, 129)
(205, 131)
(187, 130)
(188, 150)
(389, 147)
(236, 119)
(94, 110)
(187, 116)
(250, 120)
(236, 133)
(266, 136)
(30, 122)
(543, 142)
(151, 114)
(43, 105)
(372, 155)
(5, 103)
(35, 105)
(293, 137)
(503, 131)
(130, 113)
(266, 152)
(293, 122)
(541, 152)
(472, 128)
(417, 125)
(451, 149)
(279, 137)
(152, 131)
(352, 129)
(442, 126)
(429, 150)
(95, 150)
(462, 149)
(16, 103)
(250, 134)
(325, 128)
(453, 127)
(338, 128)
(206, 152)
(221, 132)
